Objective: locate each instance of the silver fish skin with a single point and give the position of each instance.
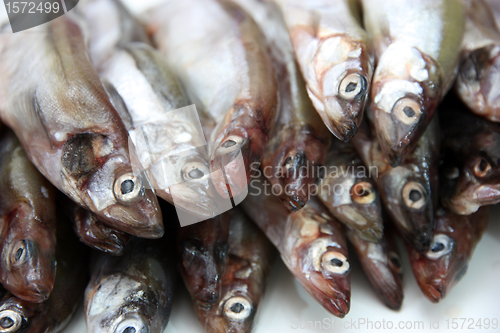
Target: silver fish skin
(336, 58)
(350, 193)
(480, 62)
(131, 293)
(222, 59)
(409, 191)
(28, 224)
(300, 139)
(249, 260)
(382, 265)
(54, 101)
(311, 243)
(417, 46)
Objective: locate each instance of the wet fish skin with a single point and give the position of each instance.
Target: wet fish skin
(334, 53)
(357, 204)
(56, 312)
(414, 70)
(382, 265)
(28, 228)
(249, 261)
(480, 62)
(409, 191)
(229, 74)
(133, 292)
(455, 239)
(202, 251)
(58, 108)
(469, 173)
(311, 243)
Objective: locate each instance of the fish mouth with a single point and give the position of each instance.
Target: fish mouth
(486, 195)
(343, 129)
(37, 293)
(433, 292)
(337, 302)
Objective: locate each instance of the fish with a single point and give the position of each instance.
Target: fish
(469, 171)
(249, 260)
(440, 268)
(28, 228)
(300, 140)
(133, 292)
(480, 62)
(382, 265)
(409, 191)
(222, 59)
(52, 98)
(202, 249)
(93, 232)
(311, 243)
(336, 58)
(417, 47)
(350, 194)
(54, 314)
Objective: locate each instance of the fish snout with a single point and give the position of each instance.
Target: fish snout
(433, 292)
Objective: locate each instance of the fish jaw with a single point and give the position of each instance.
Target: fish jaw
(476, 83)
(404, 99)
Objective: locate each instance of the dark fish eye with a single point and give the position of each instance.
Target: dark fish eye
(482, 168)
(237, 308)
(194, 170)
(414, 195)
(195, 173)
(407, 110)
(440, 246)
(10, 320)
(352, 86)
(228, 143)
(129, 329)
(363, 193)
(127, 188)
(288, 162)
(6, 322)
(20, 253)
(335, 262)
(395, 260)
(437, 247)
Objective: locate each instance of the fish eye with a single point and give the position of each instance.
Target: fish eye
(363, 193)
(195, 171)
(441, 245)
(352, 86)
(482, 168)
(131, 326)
(19, 254)
(230, 144)
(288, 163)
(127, 188)
(414, 195)
(335, 262)
(395, 261)
(10, 321)
(237, 308)
(407, 110)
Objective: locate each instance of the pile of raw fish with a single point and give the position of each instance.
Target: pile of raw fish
(326, 122)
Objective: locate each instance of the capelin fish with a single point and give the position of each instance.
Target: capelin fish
(131, 293)
(203, 255)
(480, 68)
(336, 58)
(222, 59)
(311, 243)
(350, 194)
(417, 46)
(382, 265)
(300, 140)
(409, 191)
(446, 262)
(53, 100)
(469, 172)
(28, 228)
(249, 261)
(52, 315)
(94, 233)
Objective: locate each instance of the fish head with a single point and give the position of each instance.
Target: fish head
(472, 179)
(316, 253)
(121, 305)
(410, 204)
(405, 93)
(99, 177)
(477, 81)
(28, 257)
(345, 85)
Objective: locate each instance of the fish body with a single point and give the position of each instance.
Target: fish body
(133, 292)
(336, 59)
(248, 264)
(311, 243)
(28, 224)
(417, 46)
(222, 59)
(469, 173)
(54, 101)
(409, 191)
(446, 262)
